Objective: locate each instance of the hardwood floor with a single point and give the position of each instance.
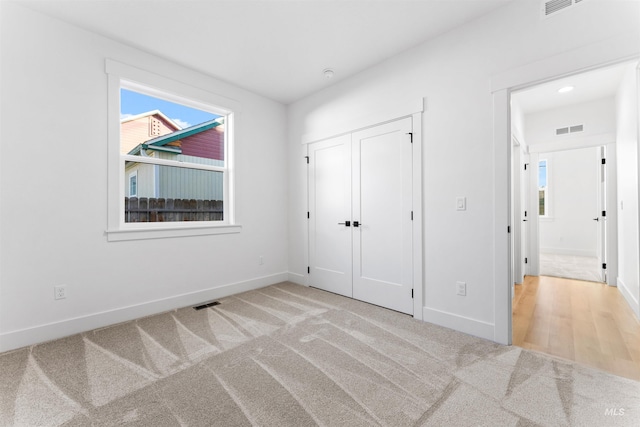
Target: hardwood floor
(587, 322)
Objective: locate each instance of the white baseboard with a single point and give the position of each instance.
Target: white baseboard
(37, 334)
(628, 296)
(298, 279)
(568, 251)
(459, 323)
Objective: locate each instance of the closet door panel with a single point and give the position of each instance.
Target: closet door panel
(330, 245)
(382, 242)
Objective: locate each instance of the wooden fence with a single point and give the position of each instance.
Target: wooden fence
(147, 209)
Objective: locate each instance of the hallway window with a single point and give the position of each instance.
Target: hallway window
(543, 189)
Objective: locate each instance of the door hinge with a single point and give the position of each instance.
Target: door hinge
(525, 213)
(526, 260)
(411, 293)
(604, 161)
(508, 229)
(604, 213)
(308, 216)
(411, 215)
(308, 270)
(307, 157)
(604, 265)
(410, 136)
(525, 166)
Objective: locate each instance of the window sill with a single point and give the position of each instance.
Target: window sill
(170, 232)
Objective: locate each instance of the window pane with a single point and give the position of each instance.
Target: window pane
(542, 174)
(542, 187)
(133, 184)
(154, 127)
(170, 194)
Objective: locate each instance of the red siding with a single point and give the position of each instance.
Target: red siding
(208, 144)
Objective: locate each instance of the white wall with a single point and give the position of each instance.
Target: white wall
(627, 154)
(573, 203)
(598, 118)
(454, 72)
(54, 192)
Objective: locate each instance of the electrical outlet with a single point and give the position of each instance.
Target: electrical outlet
(60, 292)
(461, 288)
(261, 260)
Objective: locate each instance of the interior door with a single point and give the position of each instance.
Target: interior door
(382, 215)
(330, 238)
(526, 216)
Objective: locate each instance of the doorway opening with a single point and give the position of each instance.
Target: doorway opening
(572, 213)
(565, 202)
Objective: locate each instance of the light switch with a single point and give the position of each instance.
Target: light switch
(461, 203)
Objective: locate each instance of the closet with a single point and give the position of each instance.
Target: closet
(361, 215)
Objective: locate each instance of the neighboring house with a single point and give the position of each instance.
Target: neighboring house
(140, 128)
(202, 144)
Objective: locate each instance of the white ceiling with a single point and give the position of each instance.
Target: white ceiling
(277, 48)
(588, 86)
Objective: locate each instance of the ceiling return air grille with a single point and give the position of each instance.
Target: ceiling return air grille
(549, 7)
(569, 129)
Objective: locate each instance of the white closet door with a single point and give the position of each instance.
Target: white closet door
(330, 245)
(382, 205)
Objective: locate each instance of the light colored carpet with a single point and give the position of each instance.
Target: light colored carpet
(570, 267)
(288, 355)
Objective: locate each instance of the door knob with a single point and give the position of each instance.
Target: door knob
(525, 220)
(596, 219)
(346, 223)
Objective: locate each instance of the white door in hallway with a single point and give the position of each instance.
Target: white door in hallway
(330, 246)
(382, 189)
(360, 215)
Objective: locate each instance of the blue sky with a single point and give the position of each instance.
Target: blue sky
(542, 173)
(132, 103)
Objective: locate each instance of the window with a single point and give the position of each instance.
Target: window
(188, 185)
(543, 188)
(170, 152)
(133, 184)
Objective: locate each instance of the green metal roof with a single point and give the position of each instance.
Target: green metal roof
(179, 134)
(159, 142)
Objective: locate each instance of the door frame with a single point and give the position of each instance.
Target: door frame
(417, 176)
(586, 58)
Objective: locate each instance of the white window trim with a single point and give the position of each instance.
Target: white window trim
(122, 75)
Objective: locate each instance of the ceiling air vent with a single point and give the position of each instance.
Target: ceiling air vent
(569, 129)
(549, 7)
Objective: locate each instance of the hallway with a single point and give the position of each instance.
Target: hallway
(587, 322)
